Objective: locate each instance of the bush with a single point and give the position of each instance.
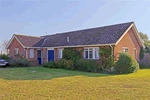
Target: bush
(69, 64)
(16, 62)
(126, 64)
(60, 63)
(4, 57)
(50, 64)
(72, 54)
(86, 65)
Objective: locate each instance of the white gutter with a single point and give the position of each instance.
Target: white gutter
(77, 46)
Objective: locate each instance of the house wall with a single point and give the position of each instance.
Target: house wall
(15, 44)
(78, 48)
(130, 41)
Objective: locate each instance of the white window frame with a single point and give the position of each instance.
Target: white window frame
(94, 53)
(31, 56)
(61, 50)
(124, 49)
(16, 51)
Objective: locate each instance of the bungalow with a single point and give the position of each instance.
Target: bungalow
(122, 37)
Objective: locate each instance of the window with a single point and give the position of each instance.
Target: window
(125, 49)
(44, 54)
(31, 53)
(96, 53)
(59, 53)
(16, 51)
(91, 53)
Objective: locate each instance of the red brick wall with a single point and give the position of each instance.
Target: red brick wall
(130, 41)
(13, 45)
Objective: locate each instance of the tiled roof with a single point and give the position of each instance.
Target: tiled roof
(29, 41)
(100, 35)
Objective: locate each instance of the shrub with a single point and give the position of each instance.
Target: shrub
(4, 57)
(19, 62)
(50, 64)
(86, 65)
(60, 63)
(69, 64)
(72, 54)
(126, 64)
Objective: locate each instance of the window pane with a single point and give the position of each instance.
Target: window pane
(59, 53)
(91, 49)
(86, 54)
(97, 53)
(90, 54)
(126, 50)
(31, 53)
(86, 49)
(16, 50)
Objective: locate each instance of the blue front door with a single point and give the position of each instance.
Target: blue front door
(39, 56)
(50, 55)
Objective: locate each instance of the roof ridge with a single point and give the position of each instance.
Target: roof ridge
(87, 29)
(27, 35)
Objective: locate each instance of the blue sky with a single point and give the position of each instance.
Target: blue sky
(56, 16)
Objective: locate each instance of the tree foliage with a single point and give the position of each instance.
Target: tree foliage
(146, 41)
(142, 53)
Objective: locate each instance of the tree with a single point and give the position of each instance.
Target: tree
(3, 46)
(146, 40)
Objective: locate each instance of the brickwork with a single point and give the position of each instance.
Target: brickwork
(16, 44)
(130, 41)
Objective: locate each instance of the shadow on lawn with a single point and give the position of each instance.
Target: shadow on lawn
(40, 73)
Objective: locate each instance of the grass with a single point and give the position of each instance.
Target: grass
(41, 74)
(77, 86)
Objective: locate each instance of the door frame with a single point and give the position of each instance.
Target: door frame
(47, 54)
(41, 55)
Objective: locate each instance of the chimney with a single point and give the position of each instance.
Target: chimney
(67, 39)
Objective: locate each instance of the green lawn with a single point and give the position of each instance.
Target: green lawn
(41, 74)
(21, 84)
